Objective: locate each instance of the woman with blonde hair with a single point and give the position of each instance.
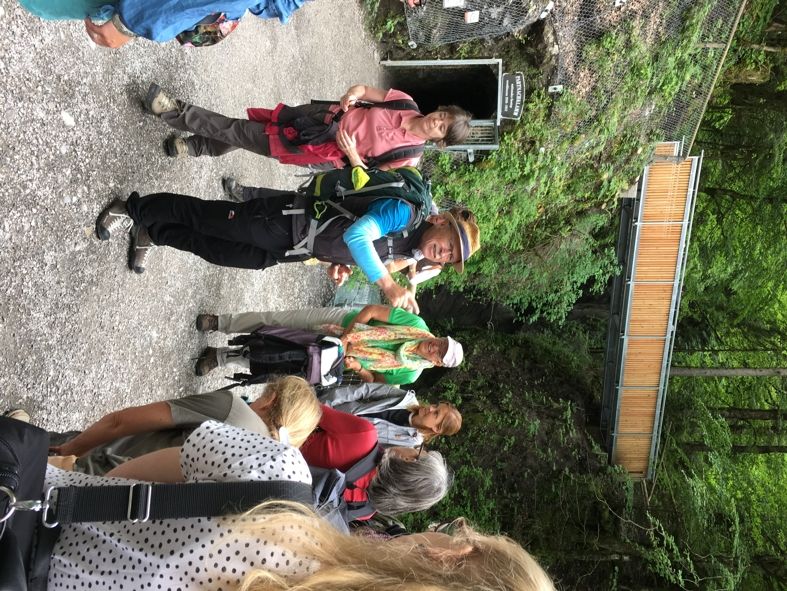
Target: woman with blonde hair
(430, 561)
(398, 416)
(137, 430)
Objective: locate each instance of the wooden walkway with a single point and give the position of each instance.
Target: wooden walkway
(652, 250)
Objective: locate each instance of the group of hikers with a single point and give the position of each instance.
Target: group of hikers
(360, 442)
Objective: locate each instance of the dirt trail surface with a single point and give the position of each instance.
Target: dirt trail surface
(81, 334)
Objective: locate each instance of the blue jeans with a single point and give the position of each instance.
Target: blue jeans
(53, 10)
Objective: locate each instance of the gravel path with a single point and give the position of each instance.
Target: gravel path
(82, 334)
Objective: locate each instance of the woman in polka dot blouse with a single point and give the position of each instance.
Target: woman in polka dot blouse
(282, 546)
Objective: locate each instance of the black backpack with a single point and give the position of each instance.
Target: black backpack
(278, 350)
(313, 129)
(329, 485)
(329, 195)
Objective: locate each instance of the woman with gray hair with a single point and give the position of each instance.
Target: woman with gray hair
(409, 480)
(404, 480)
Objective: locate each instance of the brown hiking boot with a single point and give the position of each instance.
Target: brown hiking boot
(141, 245)
(207, 322)
(207, 361)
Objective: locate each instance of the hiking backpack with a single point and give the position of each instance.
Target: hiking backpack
(278, 350)
(328, 486)
(330, 195)
(315, 131)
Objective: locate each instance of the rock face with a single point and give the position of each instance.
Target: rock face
(81, 334)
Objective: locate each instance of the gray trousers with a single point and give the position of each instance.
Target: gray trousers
(215, 134)
(308, 319)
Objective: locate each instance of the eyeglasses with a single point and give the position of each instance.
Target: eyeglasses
(420, 450)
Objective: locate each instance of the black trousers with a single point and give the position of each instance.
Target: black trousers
(252, 235)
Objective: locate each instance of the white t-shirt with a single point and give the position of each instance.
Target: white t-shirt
(181, 554)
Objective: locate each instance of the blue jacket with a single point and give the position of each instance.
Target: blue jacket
(163, 20)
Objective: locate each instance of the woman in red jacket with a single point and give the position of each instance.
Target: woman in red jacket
(404, 480)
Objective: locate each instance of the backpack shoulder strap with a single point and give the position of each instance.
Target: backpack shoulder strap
(394, 105)
(144, 501)
(398, 153)
(359, 510)
(363, 466)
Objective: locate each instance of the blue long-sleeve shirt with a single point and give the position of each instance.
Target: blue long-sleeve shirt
(384, 216)
(162, 20)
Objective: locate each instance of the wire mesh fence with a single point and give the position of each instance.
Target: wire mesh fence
(601, 44)
(436, 22)
(593, 67)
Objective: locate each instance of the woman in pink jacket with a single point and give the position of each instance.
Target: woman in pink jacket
(384, 129)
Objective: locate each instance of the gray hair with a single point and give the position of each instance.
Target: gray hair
(402, 486)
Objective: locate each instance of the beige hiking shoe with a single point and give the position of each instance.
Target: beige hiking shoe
(207, 322)
(18, 414)
(157, 102)
(176, 147)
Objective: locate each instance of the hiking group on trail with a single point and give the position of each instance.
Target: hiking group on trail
(301, 487)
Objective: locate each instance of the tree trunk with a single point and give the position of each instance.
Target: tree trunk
(751, 414)
(728, 372)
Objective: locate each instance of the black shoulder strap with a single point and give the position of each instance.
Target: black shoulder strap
(363, 466)
(399, 153)
(395, 105)
(146, 501)
(359, 510)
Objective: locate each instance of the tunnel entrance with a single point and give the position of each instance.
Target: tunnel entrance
(474, 85)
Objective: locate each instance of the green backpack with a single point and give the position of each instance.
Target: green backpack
(331, 193)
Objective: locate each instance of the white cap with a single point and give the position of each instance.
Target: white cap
(455, 354)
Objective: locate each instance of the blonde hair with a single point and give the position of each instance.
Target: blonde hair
(452, 422)
(296, 407)
(357, 563)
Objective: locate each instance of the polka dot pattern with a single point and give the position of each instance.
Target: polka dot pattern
(181, 554)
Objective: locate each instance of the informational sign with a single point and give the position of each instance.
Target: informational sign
(513, 95)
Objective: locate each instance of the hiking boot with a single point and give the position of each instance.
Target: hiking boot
(113, 219)
(157, 102)
(232, 189)
(207, 361)
(207, 322)
(141, 245)
(17, 414)
(176, 147)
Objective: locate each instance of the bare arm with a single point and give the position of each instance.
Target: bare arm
(399, 296)
(397, 265)
(360, 92)
(129, 421)
(368, 313)
(162, 465)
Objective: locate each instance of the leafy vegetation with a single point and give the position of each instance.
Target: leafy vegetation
(529, 458)
(547, 197)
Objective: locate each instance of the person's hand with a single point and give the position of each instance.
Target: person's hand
(66, 449)
(63, 462)
(106, 35)
(348, 100)
(346, 144)
(352, 363)
(401, 297)
(339, 273)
